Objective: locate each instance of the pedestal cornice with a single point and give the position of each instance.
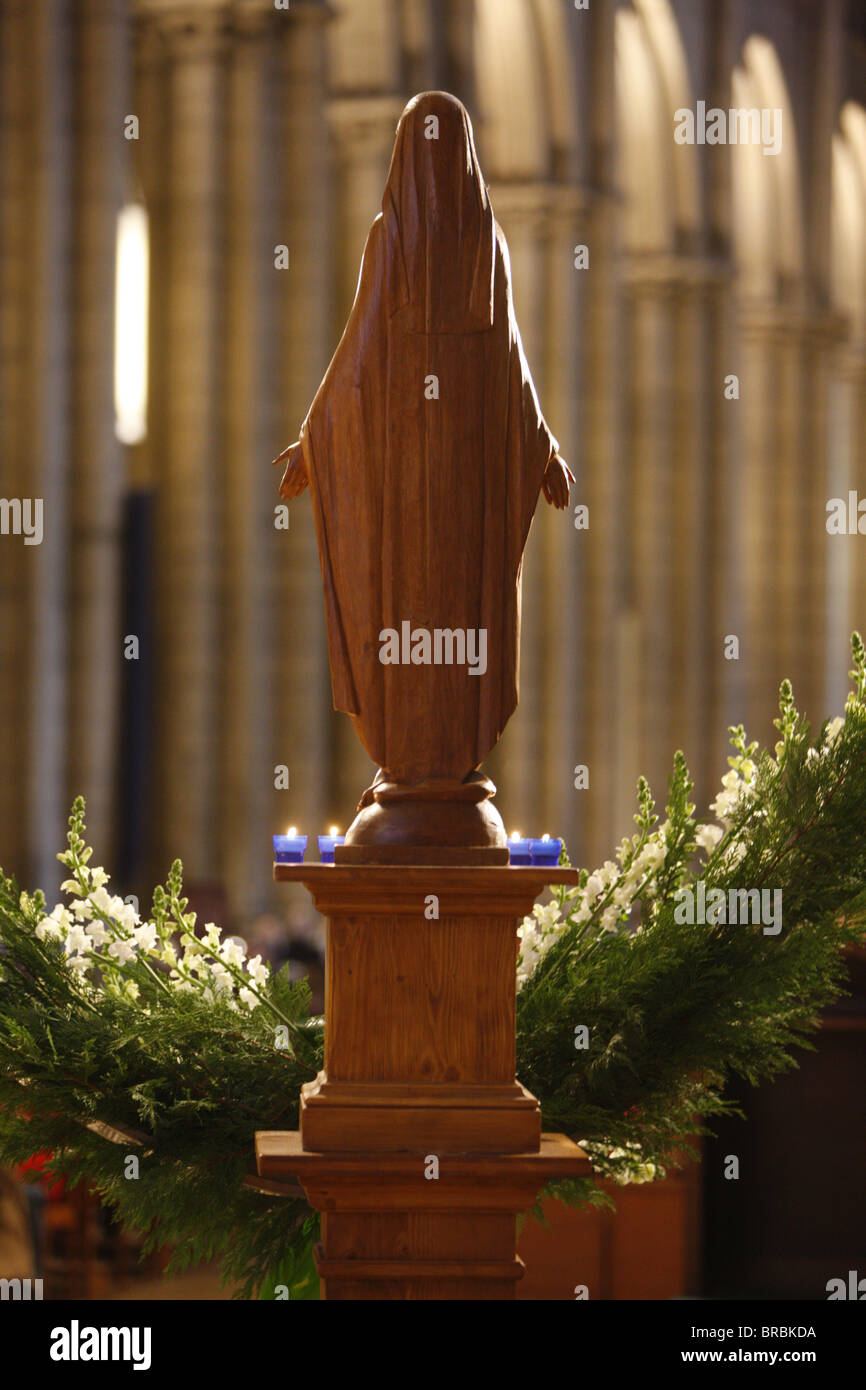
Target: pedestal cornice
(401, 889)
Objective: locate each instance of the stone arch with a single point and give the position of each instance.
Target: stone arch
(767, 221)
(513, 128)
(665, 43)
(557, 52)
(659, 177)
(848, 219)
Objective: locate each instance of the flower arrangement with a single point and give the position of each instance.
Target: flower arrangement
(124, 1037)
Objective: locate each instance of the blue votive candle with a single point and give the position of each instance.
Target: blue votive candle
(328, 843)
(519, 849)
(546, 852)
(290, 848)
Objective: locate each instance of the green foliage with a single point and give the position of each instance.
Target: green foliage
(141, 1044)
(188, 1082)
(674, 1009)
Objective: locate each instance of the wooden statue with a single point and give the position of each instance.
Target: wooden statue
(425, 450)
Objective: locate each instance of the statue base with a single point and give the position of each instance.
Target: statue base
(439, 821)
(417, 1143)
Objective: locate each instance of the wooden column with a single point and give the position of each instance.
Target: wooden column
(420, 1065)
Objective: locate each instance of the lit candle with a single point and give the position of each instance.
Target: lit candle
(290, 848)
(546, 852)
(519, 849)
(327, 844)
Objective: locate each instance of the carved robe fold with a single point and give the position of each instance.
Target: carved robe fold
(425, 449)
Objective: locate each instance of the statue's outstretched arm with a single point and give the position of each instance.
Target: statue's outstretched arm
(557, 479)
(295, 478)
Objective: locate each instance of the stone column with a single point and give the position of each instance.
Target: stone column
(808, 403)
(758, 520)
(102, 157)
(517, 763)
(725, 541)
(696, 647)
(42, 166)
(607, 724)
(649, 504)
(300, 721)
(190, 470)
(250, 418)
(564, 671)
(16, 560)
(364, 129)
(845, 576)
(856, 377)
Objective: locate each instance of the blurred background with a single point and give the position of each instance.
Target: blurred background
(186, 192)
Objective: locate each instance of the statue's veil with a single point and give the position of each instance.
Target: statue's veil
(438, 221)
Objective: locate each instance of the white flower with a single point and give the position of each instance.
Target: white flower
(546, 916)
(82, 909)
(257, 972)
(220, 977)
(232, 951)
(583, 914)
(122, 951)
(610, 919)
(608, 873)
(48, 929)
(79, 963)
(212, 936)
(78, 942)
(594, 885)
(168, 954)
(724, 804)
(126, 915)
(145, 937)
(103, 901)
(98, 878)
(71, 885)
(98, 934)
(833, 730)
(653, 854)
(708, 836)
(247, 997)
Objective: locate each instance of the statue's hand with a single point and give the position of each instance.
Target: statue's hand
(295, 478)
(557, 479)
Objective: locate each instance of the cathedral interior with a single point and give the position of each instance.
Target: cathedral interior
(694, 316)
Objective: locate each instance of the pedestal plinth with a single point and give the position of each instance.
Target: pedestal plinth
(416, 1141)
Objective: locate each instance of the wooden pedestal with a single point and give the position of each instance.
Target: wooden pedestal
(419, 1079)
